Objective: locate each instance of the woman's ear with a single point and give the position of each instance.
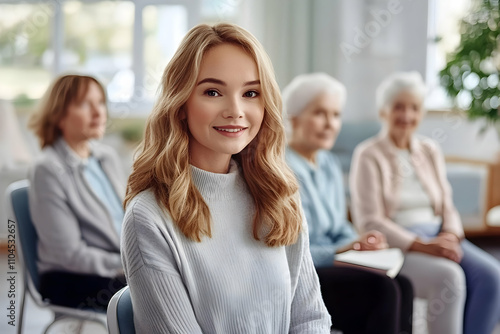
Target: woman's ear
(383, 113)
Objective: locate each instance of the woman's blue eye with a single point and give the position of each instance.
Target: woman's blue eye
(212, 92)
(251, 93)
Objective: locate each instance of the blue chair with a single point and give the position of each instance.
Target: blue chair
(26, 240)
(120, 313)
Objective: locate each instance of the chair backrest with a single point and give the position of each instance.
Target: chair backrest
(26, 236)
(120, 313)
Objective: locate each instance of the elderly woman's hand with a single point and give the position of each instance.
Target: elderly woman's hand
(445, 245)
(371, 240)
(450, 244)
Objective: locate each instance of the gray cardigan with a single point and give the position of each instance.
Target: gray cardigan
(75, 230)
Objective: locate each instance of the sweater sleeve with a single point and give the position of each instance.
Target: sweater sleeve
(326, 233)
(323, 253)
(308, 311)
(367, 202)
(58, 228)
(451, 219)
(159, 297)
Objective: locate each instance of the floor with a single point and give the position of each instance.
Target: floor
(36, 319)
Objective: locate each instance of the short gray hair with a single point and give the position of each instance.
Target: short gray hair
(305, 88)
(395, 84)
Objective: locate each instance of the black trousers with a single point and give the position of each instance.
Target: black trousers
(367, 302)
(79, 290)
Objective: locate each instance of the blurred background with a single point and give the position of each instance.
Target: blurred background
(126, 44)
(454, 44)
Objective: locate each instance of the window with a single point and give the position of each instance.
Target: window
(159, 47)
(444, 37)
(98, 40)
(25, 50)
(124, 43)
(217, 10)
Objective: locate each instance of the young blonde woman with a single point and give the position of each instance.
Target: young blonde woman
(214, 239)
(399, 187)
(75, 194)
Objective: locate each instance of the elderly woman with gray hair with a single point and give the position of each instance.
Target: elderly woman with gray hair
(360, 301)
(399, 187)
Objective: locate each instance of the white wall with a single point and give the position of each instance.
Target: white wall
(357, 41)
(398, 43)
(460, 137)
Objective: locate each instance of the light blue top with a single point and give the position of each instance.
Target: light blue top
(323, 201)
(103, 189)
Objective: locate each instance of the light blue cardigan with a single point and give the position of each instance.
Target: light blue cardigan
(323, 201)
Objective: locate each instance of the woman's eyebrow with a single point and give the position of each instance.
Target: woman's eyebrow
(212, 80)
(222, 83)
(250, 83)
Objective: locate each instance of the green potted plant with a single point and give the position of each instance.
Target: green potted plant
(471, 76)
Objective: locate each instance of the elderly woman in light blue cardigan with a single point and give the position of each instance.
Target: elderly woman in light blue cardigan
(313, 104)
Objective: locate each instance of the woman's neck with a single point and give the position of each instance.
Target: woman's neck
(402, 142)
(81, 148)
(309, 155)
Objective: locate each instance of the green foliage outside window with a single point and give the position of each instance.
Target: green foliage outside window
(471, 75)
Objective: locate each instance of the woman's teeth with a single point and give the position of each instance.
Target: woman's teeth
(229, 130)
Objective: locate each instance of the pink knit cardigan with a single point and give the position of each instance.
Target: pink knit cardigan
(375, 179)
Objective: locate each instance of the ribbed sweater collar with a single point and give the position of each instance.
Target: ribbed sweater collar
(215, 185)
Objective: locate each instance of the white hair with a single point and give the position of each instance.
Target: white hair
(305, 88)
(397, 83)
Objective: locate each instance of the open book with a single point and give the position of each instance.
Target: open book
(388, 261)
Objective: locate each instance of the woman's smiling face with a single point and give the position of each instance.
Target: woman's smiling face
(404, 115)
(225, 109)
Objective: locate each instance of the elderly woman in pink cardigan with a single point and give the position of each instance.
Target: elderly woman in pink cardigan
(399, 187)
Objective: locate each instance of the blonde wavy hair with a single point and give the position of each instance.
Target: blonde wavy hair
(65, 90)
(162, 159)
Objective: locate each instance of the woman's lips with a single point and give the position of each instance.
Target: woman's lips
(230, 131)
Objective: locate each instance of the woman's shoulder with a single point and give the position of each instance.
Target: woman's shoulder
(427, 144)
(370, 146)
(144, 212)
(328, 157)
(147, 237)
(48, 162)
(103, 151)
(144, 205)
(297, 163)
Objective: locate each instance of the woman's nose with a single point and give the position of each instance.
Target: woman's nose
(329, 121)
(233, 109)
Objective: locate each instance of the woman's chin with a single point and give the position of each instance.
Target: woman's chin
(405, 131)
(326, 145)
(96, 135)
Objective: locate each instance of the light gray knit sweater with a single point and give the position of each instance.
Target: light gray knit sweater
(230, 283)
